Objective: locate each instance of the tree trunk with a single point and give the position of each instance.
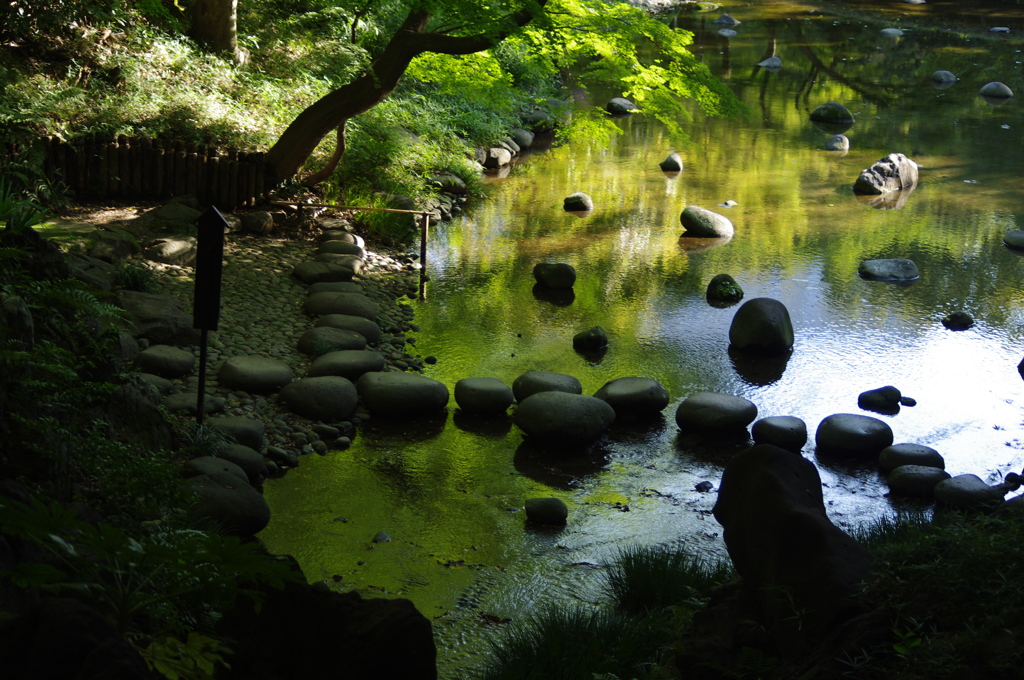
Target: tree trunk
(367, 90)
(214, 25)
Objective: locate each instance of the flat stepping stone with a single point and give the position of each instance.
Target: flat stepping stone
(483, 396)
(348, 363)
(249, 460)
(635, 396)
(332, 234)
(341, 248)
(324, 339)
(714, 413)
(401, 395)
(335, 287)
(365, 327)
(549, 511)
(916, 481)
(328, 398)
(532, 382)
(241, 430)
(968, 492)
(896, 455)
(851, 435)
(352, 304)
(204, 465)
(352, 263)
(232, 505)
(317, 272)
(166, 361)
(786, 432)
(254, 374)
(564, 418)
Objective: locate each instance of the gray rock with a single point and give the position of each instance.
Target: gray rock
(317, 272)
(401, 395)
(832, 113)
(532, 382)
(851, 435)
(771, 64)
(112, 245)
(93, 271)
(968, 492)
(173, 250)
(340, 248)
(483, 396)
(590, 339)
(204, 465)
(918, 455)
(714, 413)
(323, 339)
(177, 211)
(249, 460)
(786, 432)
(259, 222)
(524, 138)
(166, 361)
(578, 202)
(1014, 238)
(634, 396)
(364, 326)
(894, 269)
(838, 143)
(619, 106)
(554, 274)
(915, 481)
(335, 287)
(891, 32)
(497, 157)
(895, 172)
(349, 363)
(232, 506)
(726, 20)
(762, 326)
(539, 120)
(996, 90)
(339, 234)
(672, 163)
(550, 511)
(771, 508)
(353, 263)
(158, 318)
(702, 223)
(999, 29)
(254, 374)
(881, 399)
(327, 398)
(726, 32)
(351, 304)
(162, 385)
(944, 77)
(563, 418)
(241, 430)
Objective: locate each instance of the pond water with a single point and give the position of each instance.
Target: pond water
(449, 492)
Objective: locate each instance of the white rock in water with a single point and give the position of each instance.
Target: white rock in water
(771, 64)
(726, 32)
(892, 32)
(999, 29)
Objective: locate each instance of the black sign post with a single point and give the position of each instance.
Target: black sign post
(206, 297)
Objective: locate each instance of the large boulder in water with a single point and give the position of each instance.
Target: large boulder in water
(895, 172)
(672, 163)
(852, 435)
(996, 90)
(564, 418)
(890, 269)
(762, 326)
(703, 223)
(557, 275)
(401, 395)
(620, 106)
(578, 202)
(804, 572)
(832, 113)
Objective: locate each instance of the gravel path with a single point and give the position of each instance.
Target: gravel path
(262, 315)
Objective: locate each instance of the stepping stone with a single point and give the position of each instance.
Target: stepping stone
(188, 402)
(786, 432)
(896, 455)
(254, 374)
(483, 396)
(166, 361)
(968, 492)
(564, 418)
(532, 382)
(352, 304)
(349, 363)
(230, 504)
(327, 398)
(401, 395)
(249, 460)
(335, 287)
(241, 430)
(851, 435)
(916, 481)
(204, 465)
(364, 326)
(642, 397)
(713, 413)
(324, 339)
(318, 272)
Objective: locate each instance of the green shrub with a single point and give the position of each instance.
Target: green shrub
(648, 579)
(136, 277)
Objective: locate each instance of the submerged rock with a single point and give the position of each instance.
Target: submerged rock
(894, 269)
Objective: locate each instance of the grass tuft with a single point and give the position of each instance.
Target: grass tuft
(648, 579)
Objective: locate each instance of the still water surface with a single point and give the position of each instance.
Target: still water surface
(449, 492)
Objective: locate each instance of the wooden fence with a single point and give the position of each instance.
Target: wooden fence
(106, 166)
